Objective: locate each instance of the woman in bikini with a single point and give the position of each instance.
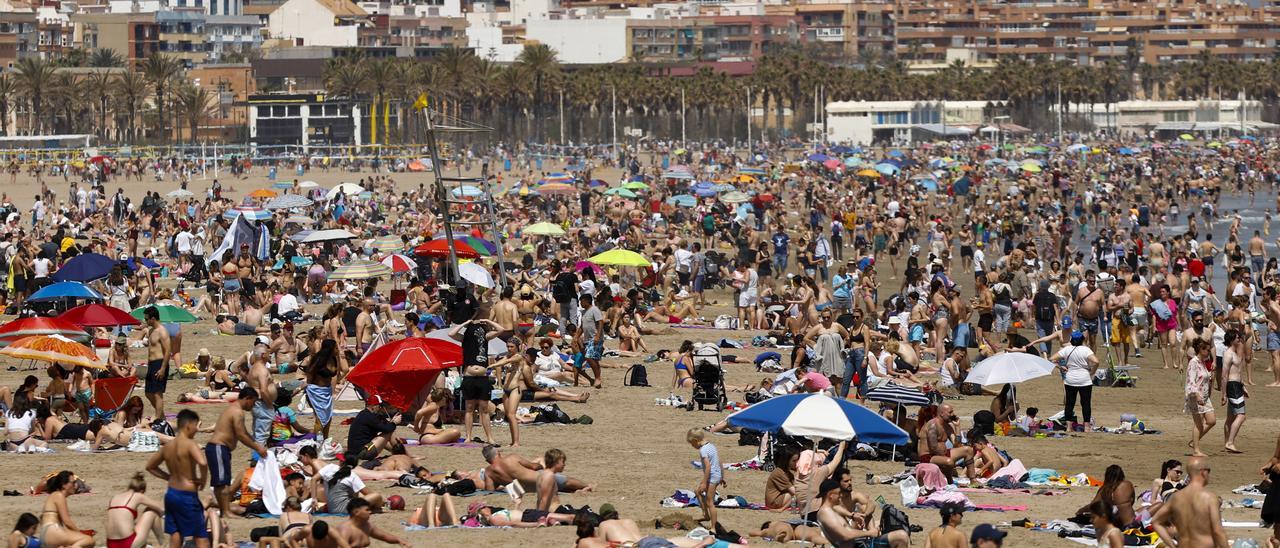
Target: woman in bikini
(24, 532)
(940, 302)
(684, 359)
(424, 421)
(56, 525)
(20, 421)
(293, 524)
(629, 342)
(131, 515)
(230, 273)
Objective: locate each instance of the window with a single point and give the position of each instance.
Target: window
(1177, 116)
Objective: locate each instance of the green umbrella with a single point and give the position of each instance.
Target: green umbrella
(635, 185)
(168, 314)
(620, 192)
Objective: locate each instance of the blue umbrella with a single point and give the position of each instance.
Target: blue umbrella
(819, 416)
(65, 290)
(682, 200)
(841, 149)
(1078, 148)
(818, 158)
(84, 268)
(751, 171)
(887, 169)
(896, 153)
(853, 161)
(1126, 151)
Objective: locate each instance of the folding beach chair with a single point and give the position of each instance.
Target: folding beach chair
(109, 395)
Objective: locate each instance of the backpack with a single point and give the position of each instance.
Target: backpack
(1045, 310)
(893, 519)
(562, 289)
(636, 375)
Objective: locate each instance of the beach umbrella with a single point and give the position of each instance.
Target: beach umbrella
(308, 184)
(36, 325)
(360, 270)
(326, 235)
(832, 164)
(297, 260)
(476, 274)
(557, 177)
(853, 161)
(1031, 167)
(635, 185)
(841, 149)
(867, 173)
(583, 265)
(479, 245)
(97, 315)
(682, 200)
(299, 220)
(895, 153)
(53, 349)
(887, 168)
(65, 290)
(467, 191)
(1214, 144)
(1009, 368)
(289, 201)
(1078, 148)
(282, 185)
(168, 313)
(1126, 151)
(734, 197)
(679, 175)
(440, 248)
(818, 158)
(1186, 137)
(596, 182)
(400, 263)
(557, 189)
(620, 257)
(819, 416)
(263, 193)
(387, 243)
(344, 188)
(180, 193)
(86, 267)
(620, 191)
(543, 229)
(897, 394)
(751, 171)
(252, 213)
(399, 370)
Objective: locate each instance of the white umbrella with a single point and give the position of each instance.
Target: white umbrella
(327, 235)
(308, 184)
(288, 201)
(1009, 368)
(180, 193)
(476, 274)
(344, 188)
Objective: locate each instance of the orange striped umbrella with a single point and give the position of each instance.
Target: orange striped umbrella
(53, 349)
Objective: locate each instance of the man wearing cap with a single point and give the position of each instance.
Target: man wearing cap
(986, 535)
(373, 429)
(842, 533)
(948, 534)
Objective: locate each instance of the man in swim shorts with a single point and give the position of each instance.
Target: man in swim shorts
(185, 470)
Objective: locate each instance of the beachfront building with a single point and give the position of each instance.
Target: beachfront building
(303, 119)
(868, 122)
(1172, 118)
(318, 22)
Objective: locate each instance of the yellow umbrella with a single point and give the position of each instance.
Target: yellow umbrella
(1186, 137)
(544, 229)
(1031, 168)
(620, 257)
(868, 173)
(263, 193)
(53, 349)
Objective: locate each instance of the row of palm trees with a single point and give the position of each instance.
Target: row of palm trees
(538, 99)
(151, 101)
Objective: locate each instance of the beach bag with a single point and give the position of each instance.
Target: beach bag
(1161, 310)
(281, 428)
(161, 426)
(637, 375)
(725, 321)
(910, 491)
(551, 414)
(894, 519)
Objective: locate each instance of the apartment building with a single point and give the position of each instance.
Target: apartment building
(135, 36)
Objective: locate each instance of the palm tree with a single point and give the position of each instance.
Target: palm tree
(194, 104)
(35, 78)
(344, 76)
(381, 78)
(131, 91)
(541, 62)
(100, 85)
(8, 89)
(105, 57)
(160, 70)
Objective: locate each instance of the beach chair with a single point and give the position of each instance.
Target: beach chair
(109, 395)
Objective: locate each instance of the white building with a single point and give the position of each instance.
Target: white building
(317, 22)
(1143, 117)
(581, 41)
(486, 40)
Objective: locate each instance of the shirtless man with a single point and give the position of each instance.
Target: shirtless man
(989, 460)
(838, 529)
(1120, 308)
(506, 314)
(1139, 296)
(1196, 331)
(226, 432)
(285, 347)
(357, 530)
(1271, 308)
(157, 338)
(938, 432)
(1088, 305)
(366, 326)
(1257, 253)
(259, 378)
(948, 535)
(548, 479)
(504, 469)
(186, 473)
(1234, 394)
(1194, 511)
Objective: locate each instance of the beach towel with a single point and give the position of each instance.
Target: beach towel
(266, 480)
(321, 400)
(828, 348)
(1014, 471)
(1040, 476)
(930, 476)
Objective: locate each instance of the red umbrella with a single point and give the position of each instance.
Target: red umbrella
(399, 370)
(98, 315)
(440, 248)
(26, 327)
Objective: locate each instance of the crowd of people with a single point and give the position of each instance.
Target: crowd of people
(863, 276)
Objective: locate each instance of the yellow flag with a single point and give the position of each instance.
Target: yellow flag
(421, 103)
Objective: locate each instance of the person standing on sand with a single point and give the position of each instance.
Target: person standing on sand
(157, 338)
(1194, 511)
(228, 430)
(1198, 404)
(1234, 393)
(187, 471)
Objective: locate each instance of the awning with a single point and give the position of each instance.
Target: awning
(944, 130)
(1007, 128)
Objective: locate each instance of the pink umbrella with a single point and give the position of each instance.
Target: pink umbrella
(583, 265)
(400, 263)
(833, 164)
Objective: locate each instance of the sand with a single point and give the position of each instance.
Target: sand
(635, 451)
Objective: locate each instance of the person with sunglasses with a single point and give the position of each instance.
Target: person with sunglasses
(1195, 511)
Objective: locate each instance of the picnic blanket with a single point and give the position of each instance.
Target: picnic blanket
(684, 498)
(752, 464)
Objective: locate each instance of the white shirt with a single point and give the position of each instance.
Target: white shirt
(979, 260)
(183, 241)
(684, 260)
(353, 481)
(1077, 358)
(288, 303)
(40, 266)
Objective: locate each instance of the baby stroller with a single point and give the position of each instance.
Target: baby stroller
(708, 377)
